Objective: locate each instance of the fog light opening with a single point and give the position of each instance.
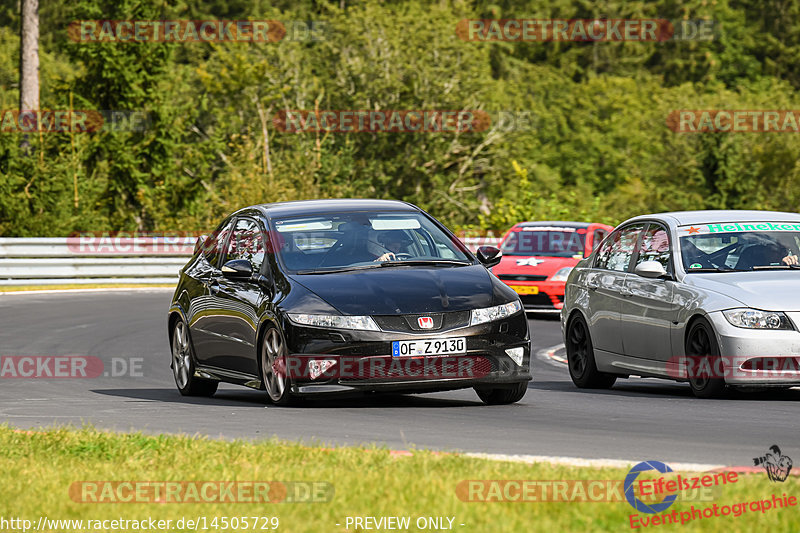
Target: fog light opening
(516, 354)
(317, 367)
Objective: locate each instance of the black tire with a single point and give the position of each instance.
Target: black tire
(502, 396)
(701, 343)
(182, 364)
(274, 376)
(580, 358)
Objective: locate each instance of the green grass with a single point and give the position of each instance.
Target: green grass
(38, 468)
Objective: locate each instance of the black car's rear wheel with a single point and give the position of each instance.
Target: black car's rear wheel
(705, 378)
(183, 365)
(502, 396)
(580, 358)
(274, 372)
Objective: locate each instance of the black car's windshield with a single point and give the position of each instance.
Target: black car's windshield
(552, 241)
(740, 246)
(359, 240)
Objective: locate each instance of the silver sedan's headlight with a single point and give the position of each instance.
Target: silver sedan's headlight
(335, 321)
(756, 319)
(487, 314)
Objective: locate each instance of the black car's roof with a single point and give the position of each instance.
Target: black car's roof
(312, 207)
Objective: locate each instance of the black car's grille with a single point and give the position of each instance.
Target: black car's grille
(441, 321)
(521, 277)
(540, 300)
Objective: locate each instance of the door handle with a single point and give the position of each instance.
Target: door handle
(625, 291)
(592, 285)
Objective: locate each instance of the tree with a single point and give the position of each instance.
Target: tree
(29, 59)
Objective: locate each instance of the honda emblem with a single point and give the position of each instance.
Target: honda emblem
(425, 322)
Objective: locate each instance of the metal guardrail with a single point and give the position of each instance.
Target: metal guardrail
(130, 260)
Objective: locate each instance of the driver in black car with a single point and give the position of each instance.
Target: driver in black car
(396, 241)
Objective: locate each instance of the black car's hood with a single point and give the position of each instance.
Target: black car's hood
(402, 290)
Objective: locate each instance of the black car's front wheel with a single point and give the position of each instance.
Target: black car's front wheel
(502, 396)
(580, 358)
(183, 365)
(274, 372)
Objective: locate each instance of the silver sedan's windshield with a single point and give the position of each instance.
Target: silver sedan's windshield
(740, 246)
(357, 240)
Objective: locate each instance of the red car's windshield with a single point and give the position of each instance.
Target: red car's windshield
(545, 240)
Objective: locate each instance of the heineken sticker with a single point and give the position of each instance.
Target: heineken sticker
(695, 265)
(733, 227)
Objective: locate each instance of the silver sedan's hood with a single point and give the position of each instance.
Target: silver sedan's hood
(770, 290)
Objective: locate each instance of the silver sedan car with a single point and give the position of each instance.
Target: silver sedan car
(708, 297)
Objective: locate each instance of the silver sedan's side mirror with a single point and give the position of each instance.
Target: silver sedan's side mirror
(650, 269)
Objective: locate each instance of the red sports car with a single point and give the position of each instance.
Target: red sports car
(538, 256)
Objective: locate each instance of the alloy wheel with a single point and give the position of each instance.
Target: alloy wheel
(181, 355)
(273, 364)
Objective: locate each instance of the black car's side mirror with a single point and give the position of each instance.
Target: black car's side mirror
(237, 268)
(489, 256)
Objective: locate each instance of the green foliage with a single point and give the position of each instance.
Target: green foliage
(594, 146)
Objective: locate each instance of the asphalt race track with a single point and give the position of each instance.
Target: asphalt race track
(639, 419)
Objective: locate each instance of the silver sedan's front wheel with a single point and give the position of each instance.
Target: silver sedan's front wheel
(273, 367)
(580, 358)
(707, 379)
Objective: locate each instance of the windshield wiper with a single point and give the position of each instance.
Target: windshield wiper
(715, 269)
(775, 267)
(339, 269)
(423, 262)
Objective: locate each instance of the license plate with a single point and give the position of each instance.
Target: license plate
(525, 289)
(429, 347)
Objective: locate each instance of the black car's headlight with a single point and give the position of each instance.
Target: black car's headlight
(335, 321)
(487, 314)
(756, 319)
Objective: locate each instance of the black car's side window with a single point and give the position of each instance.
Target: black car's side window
(247, 242)
(214, 248)
(616, 251)
(655, 247)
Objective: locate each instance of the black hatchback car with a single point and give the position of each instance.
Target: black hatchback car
(328, 296)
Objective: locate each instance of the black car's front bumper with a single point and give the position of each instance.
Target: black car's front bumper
(362, 360)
